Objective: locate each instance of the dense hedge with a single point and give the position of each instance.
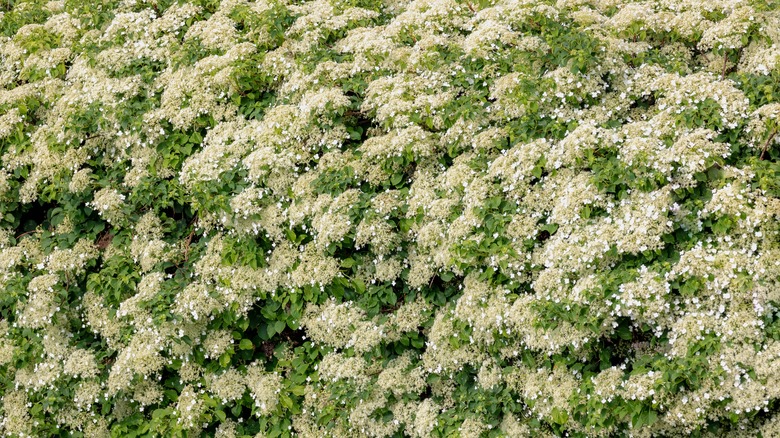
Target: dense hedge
(383, 218)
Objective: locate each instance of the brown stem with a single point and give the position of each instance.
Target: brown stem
(471, 8)
(189, 239)
(766, 144)
(25, 233)
(187, 245)
(104, 239)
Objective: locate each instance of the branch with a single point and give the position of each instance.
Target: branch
(26, 233)
(725, 60)
(84, 140)
(766, 144)
(189, 239)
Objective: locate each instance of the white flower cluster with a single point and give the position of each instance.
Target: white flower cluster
(571, 206)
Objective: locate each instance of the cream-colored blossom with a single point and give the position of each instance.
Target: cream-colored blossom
(81, 363)
(264, 388)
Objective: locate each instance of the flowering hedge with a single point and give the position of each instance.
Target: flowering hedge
(383, 218)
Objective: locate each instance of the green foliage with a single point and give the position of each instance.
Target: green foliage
(371, 218)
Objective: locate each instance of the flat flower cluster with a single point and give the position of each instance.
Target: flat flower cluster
(382, 218)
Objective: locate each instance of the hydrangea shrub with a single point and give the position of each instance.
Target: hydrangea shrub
(382, 218)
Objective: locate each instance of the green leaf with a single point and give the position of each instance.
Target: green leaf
(286, 401)
(605, 357)
(279, 326)
(722, 226)
(355, 133)
(651, 417)
(298, 390)
(159, 414)
(624, 333)
(290, 234)
(359, 286)
(224, 360)
(690, 287)
(559, 416)
(550, 228)
(245, 344)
